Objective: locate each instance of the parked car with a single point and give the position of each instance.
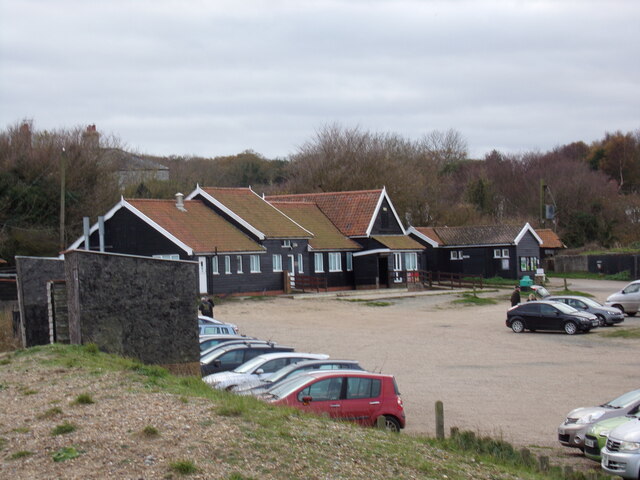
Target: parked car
(571, 433)
(232, 356)
(606, 315)
(258, 367)
(621, 455)
(204, 321)
(597, 434)
(222, 329)
(545, 315)
(627, 299)
(256, 386)
(208, 341)
(239, 341)
(356, 396)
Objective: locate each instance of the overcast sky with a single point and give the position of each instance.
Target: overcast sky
(213, 77)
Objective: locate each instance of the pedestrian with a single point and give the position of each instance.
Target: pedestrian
(515, 296)
(206, 307)
(532, 298)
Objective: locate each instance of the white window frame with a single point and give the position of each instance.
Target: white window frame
(215, 267)
(239, 262)
(254, 263)
(456, 255)
(227, 264)
(397, 262)
(497, 253)
(335, 262)
(349, 261)
(411, 261)
(318, 263)
(286, 243)
(505, 253)
(277, 262)
(300, 263)
(169, 256)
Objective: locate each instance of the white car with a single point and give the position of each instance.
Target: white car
(204, 321)
(262, 366)
(627, 299)
(621, 455)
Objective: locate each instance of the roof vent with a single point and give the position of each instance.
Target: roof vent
(180, 202)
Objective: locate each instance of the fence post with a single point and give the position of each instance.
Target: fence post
(439, 420)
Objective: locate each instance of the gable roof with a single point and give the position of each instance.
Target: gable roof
(353, 212)
(251, 211)
(550, 239)
(196, 229)
(326, 235)
(482, 235)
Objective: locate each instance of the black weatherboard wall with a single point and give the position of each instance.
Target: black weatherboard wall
(134, 306)
(33, 275)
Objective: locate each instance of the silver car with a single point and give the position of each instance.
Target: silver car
(627, 299)
(606, 315)
(621, 455)
(572, 431)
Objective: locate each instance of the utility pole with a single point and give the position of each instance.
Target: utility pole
(63, 168)
(542, 207)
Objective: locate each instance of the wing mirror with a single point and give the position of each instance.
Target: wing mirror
(306, 400)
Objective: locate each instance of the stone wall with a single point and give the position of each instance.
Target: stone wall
(134, 306)
(571, 263)
(33, 274)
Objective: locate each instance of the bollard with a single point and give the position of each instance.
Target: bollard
(526, 456)
(568, 471)
(439, 420)
(454, 431)
(544, 463)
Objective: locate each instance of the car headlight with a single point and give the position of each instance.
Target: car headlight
(589, 418)
(629, 446)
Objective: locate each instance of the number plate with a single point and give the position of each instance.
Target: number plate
(605, 459)
(560, 431)
(589, 443)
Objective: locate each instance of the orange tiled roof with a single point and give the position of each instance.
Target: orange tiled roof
(351, 211)
(198, 226)
(253, 209)
(398, 242)
(549, 238)
(431, 233)
(325, 234)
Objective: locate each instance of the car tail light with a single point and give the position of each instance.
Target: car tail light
(399, 399)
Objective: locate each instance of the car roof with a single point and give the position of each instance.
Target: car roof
(269, 356)
(344, 373)
(209, 320)
(221, 336)
(576, 297)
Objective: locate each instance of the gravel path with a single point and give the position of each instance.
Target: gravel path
(492, 381)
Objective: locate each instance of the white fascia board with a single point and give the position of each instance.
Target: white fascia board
(75, 245)
(421, 235)
(482, 245)
(525, 229)
(372, 252)
(384, 195)
(231, 213)
(311, 235)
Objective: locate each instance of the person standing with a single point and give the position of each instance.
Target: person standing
(515, 296)
(206, 307)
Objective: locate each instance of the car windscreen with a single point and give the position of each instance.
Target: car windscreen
(289, 386)
(624, 400)
(564, 308)
(251, 365)
(591, 302)
(211, 355)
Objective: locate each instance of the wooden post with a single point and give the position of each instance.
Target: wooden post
(544, 463)
(439, 420)
(527, 458)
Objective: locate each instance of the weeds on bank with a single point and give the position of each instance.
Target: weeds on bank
(184, 467)
(623, 333)
(21, 454)
(472, 299)
(368, 303)
(63, 429)
(64, 454)
(150, 431)
(83, 399)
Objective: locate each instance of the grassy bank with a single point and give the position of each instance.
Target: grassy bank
(71, 410)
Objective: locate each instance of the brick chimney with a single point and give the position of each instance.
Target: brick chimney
(91, 137)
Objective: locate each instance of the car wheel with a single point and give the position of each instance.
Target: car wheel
(391, 423)
(517, 326)
(570, 328)
(601, 321)
(632, 314)
(230, 388)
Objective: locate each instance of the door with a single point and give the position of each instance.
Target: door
(550, 318)
(362, 400)
(322, 396)
(291, 267)
(202, 274)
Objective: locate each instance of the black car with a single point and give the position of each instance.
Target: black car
(546, 315)
(232, 356)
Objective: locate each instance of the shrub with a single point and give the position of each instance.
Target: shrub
(184, 467)
(150, 431)
(65, 453)
(83, 399)
(63, 428)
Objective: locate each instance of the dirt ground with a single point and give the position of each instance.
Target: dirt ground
(518, 387)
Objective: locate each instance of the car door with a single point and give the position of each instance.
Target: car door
(550, 318)
(632, 297)
(322, 396)
(530, 312)
(362, 400)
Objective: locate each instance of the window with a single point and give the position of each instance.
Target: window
(456, 255)
(335, 262)
(505, 253)
(397, 262)
(411, 261)
(214, 266)
(300, 264)
(362, 387)
(497, 253)
(239, 261)
(323, 390)
(227, 264)
(254, 263)
(318, 263)
(286, 244)
(277, 263)
(172, 256)
(349, 258)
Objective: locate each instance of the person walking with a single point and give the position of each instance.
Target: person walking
(515, 296)
(206, 307)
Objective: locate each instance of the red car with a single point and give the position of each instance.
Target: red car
(357, 396)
